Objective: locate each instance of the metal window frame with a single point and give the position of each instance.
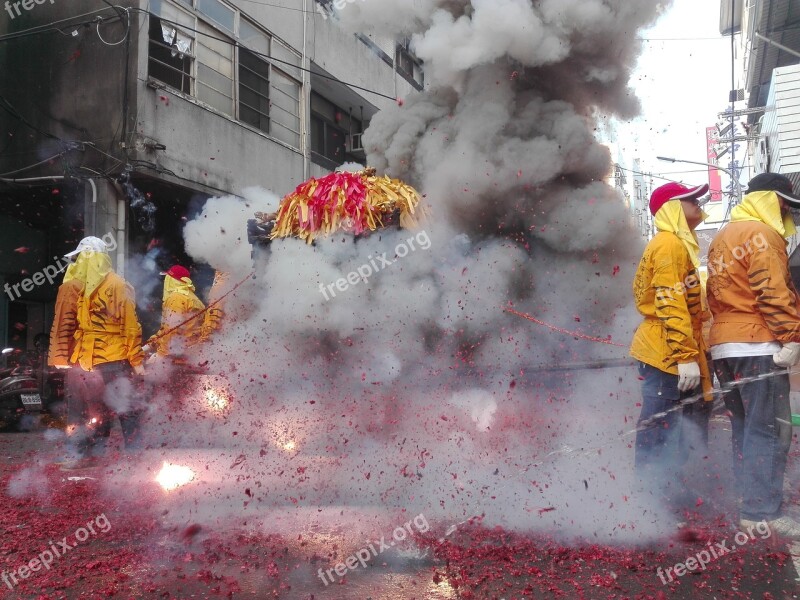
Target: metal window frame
(221, 30)
(239, 85)
(232, 95)
(190, 74)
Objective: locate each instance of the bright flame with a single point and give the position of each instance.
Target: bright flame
(217, 401)
(289, 446)
(174, 476)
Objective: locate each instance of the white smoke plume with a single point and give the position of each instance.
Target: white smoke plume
(411, 388)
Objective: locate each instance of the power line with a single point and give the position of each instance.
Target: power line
(48, 28)
(266, 56)
(47, 160)
(696, 39)
(310, 12)
(664, 178)
(262, 55)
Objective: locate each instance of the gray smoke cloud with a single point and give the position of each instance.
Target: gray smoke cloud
(411, 387)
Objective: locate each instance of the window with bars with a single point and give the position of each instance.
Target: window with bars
(408, 65)
(330, 128)
(170, 58)
(240, 82)
(214, 69)
(253, 90)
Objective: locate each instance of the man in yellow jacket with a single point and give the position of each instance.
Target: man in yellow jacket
(215, 314)
(178, 331)
(65, 320)
(97, 307)
(756, 331)
(669, 343)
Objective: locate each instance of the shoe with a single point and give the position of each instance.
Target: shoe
(785, 527)
(85, 462)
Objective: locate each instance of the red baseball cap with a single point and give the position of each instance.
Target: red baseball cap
(177, 272)
(674, 191)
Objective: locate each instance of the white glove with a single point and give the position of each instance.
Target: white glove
(146, 348)
(788, 355)
(689, 374)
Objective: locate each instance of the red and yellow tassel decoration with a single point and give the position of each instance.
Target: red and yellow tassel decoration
(352, 202)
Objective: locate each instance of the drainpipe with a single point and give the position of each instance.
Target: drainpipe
(777, 45)
(94, 206)
(122, 211)
(306, 95)
(93, 230)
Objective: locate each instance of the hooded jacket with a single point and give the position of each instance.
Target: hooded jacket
(667, 292)
(107, 327)
(213, 318)
(65, 320)
(179, 304)
(751, 293)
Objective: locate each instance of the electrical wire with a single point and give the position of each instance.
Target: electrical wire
(6, 105)
(47, 160)
(94, 147)
(269, 58)
(49, 26)
(689, 39)
(124, 37)
(664, 178)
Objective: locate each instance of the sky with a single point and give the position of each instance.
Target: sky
(682, 80)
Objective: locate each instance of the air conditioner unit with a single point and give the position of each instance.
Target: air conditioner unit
(354, 142)
(762, 156)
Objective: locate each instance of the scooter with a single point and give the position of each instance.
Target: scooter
(27, 389)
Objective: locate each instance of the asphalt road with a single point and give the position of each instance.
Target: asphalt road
(158, 548)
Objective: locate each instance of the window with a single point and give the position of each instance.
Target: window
(214, 69)
(170, 59)
(331, 127)
(325, 8)
(240, 82)
(285, 95)
(328, 141)
(253, 90)
(408, 65)
(217, 11)
(171, 46)
(269, 95)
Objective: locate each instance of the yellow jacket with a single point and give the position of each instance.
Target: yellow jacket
(108, 329)
(65, 322)
(178, 306)
(214, 315)
(667, 293)
(750, 289)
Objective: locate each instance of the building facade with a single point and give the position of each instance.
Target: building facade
(768, 57)
(122, 120)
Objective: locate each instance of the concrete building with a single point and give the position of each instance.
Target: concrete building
(123, 121)
(768, 56)
(768, 60)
